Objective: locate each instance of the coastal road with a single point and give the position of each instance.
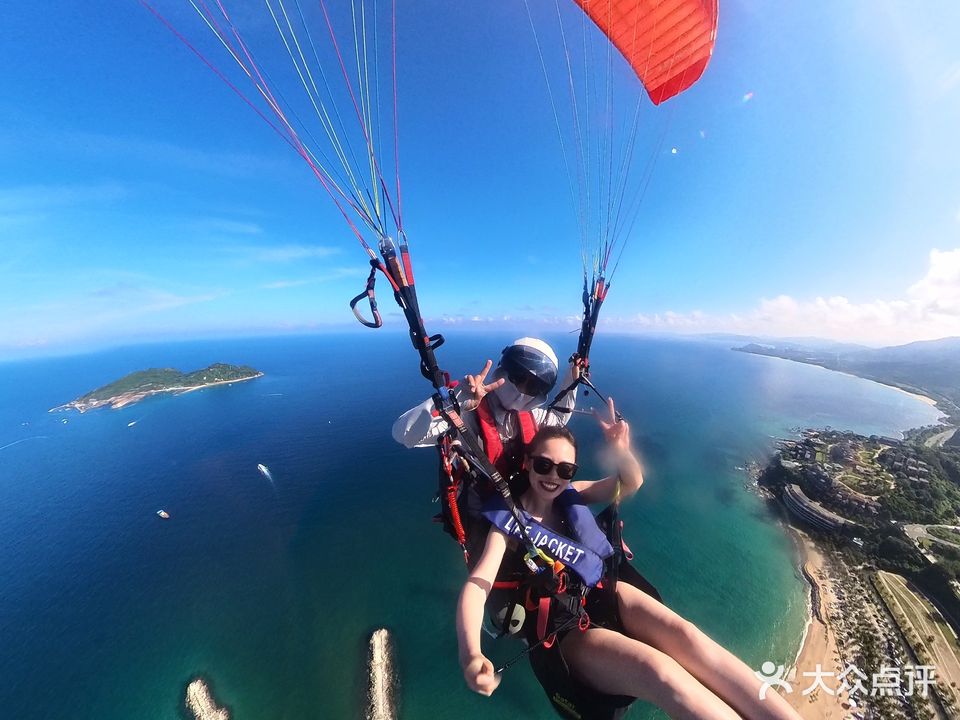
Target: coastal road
(926, 621)
(915, 532)
(940, 438)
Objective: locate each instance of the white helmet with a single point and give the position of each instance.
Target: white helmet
(530, 367)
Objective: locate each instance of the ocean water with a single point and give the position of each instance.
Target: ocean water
(271, 589)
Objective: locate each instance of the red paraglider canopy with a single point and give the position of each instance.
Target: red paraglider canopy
(668, 43)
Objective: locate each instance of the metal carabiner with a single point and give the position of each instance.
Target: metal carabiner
(368, 293)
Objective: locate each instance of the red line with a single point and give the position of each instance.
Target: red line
(298, 148)
(301, 148)
(217, 72)
(353, 98)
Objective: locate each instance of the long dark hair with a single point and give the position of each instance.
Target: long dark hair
(550, 432)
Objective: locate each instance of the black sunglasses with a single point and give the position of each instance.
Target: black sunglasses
(543, 466)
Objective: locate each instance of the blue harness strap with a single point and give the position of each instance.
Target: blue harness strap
(584, 556)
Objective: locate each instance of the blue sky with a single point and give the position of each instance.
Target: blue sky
(807, 185)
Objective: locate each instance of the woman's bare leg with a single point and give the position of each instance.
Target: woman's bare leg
(613, 663)
(717, 668)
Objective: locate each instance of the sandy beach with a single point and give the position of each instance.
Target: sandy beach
(923, 398)
(819, 644)
(918, 396)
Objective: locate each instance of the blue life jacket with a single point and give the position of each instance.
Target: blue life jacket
(584, 555)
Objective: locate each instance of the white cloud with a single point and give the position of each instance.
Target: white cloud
(159, 152)
(125, 303)
(284, 284)
(335, 274)
(939, 292)
(228, 227)
(950, 78)
(16, 220)
(929, 309)
(34, 198)
(282, 253)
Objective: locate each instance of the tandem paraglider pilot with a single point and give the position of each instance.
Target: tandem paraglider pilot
(505, 412)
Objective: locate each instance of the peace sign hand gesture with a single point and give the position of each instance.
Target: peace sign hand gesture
(617, 431)
(477, 388)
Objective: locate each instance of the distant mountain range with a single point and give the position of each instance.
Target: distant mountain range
(929, 367)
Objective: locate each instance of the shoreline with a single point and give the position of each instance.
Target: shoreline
(925, 399)
(918, 394)
(818, 644)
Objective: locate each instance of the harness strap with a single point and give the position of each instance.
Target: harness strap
(488, 427)
(528, 426)
(627, 552)
(543, 616)
(493, 444)
(536, 560)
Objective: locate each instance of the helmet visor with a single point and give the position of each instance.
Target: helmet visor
(529, 370)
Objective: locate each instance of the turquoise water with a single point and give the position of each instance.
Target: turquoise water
(271, 590)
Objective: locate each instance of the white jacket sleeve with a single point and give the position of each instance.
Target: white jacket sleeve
(419, 427)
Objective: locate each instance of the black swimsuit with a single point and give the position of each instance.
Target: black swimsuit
(570, 697)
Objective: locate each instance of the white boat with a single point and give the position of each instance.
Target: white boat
(164, 514)
(265, 471)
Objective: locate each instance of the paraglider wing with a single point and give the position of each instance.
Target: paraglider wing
(668, 43)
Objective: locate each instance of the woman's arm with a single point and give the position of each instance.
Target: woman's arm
(605, 491)
(478, 670)
(629, 472)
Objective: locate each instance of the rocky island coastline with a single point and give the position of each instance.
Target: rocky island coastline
(138, 385)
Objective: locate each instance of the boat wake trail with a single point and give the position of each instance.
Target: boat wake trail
(265, 471)
(23, 440)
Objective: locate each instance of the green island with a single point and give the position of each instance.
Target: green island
(136, 386)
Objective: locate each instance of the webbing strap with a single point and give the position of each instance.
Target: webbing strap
(491, 434)
(528, 426)
(446, 405)
(543, 616)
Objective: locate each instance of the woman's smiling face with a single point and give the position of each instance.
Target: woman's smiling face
(549, 485)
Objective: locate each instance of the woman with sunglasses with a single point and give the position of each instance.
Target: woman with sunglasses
(634, 645)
